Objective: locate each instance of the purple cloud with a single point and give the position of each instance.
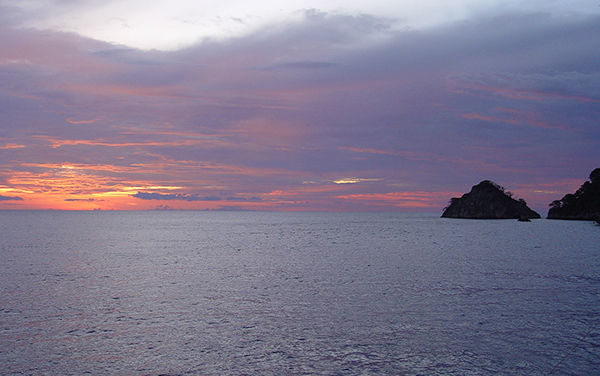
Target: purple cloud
(244, 199)
(511, 98)
(174, 196)
(10, 198)
(82, 200)
(296, 65)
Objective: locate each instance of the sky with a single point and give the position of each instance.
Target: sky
(309, 105)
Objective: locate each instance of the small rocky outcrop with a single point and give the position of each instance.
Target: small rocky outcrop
(488, 200)
(581, 205)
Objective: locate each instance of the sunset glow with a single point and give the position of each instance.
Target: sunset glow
(360, 106)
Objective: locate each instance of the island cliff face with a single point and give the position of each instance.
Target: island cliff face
(582, 205)
(488, 200)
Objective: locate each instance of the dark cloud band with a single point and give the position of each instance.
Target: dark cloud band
(174, 196)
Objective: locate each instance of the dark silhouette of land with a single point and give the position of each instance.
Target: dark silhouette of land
(488, 200)
(583, 205)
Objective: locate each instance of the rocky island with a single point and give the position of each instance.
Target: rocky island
(581, 205)
(488, 200)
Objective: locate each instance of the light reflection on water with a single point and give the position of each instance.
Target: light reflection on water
(151, 293)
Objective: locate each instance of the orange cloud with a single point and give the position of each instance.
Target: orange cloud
(354, 180)
(12, 146)
(90, 186)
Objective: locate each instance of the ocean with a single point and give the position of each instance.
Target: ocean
(265, 293)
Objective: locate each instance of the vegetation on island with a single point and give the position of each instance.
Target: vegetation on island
(581, 205)
(488, 200)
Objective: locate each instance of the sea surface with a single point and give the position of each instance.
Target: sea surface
(261, 293)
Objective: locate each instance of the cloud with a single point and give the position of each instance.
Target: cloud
(158, 24)
(244, 199)
(174, 196)
(10, 198)
(82, 200)
(510, 97)
(353, 180)
(232, 208)
(72, 121)
(297, 65)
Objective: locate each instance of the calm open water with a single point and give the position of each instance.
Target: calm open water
(257, 293)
